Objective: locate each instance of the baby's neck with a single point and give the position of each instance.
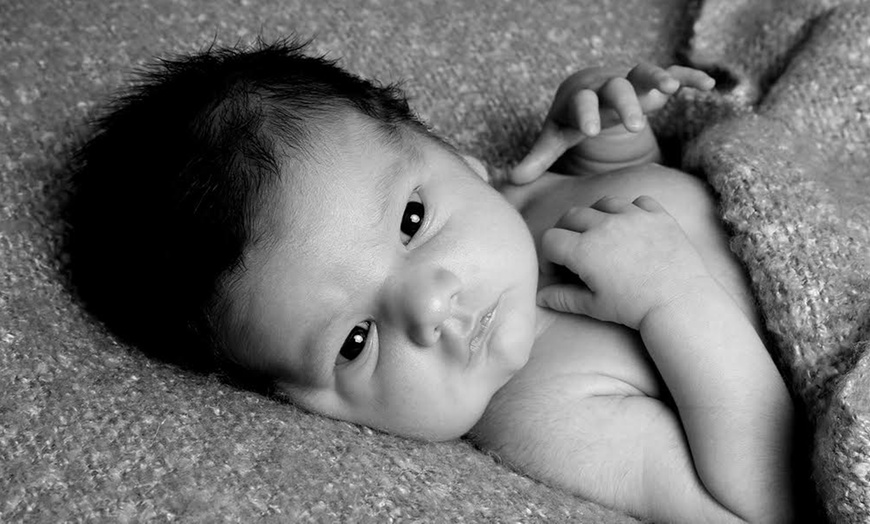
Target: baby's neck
(524, 198)
(544, 319)
(521, 196)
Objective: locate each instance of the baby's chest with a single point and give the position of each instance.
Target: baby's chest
(588, 357)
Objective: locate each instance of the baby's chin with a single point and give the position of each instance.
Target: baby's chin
(512, 343)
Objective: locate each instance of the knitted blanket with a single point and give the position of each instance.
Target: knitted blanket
(785, 143)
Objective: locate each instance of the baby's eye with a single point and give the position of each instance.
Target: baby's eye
(412, 219)
(355, 342)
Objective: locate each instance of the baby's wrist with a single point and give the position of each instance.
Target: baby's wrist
(682, 298)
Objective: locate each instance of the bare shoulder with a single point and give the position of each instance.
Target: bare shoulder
(571, 393)
(686, 197)
(589, 414)
(626, 451)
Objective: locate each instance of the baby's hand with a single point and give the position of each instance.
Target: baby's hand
(633, 257)
(602, 102)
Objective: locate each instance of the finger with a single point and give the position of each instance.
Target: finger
(567, 298)
(587, 112)
(619, 94)
(691, 77)
(646, 77)
(580, 219)
(563, 247)
(548, 147)
(611, 204)
(648, 203)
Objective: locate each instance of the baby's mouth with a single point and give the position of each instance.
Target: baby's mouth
(484, 326)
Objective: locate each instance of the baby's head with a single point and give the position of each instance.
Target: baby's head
(310, 230)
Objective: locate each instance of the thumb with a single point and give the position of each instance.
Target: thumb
(548, 147)
(567, 298)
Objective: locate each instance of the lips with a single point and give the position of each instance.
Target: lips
(484, 327)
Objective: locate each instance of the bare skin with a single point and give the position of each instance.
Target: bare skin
(648, 388)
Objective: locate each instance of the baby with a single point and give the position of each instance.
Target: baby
(589, 325)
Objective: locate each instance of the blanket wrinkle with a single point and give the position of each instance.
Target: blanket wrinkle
(787, 149)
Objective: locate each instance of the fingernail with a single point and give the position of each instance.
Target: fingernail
(591, 129)
(635, 120)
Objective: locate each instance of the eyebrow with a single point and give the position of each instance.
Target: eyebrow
(318, 350)
(408, 158)
(319, 347)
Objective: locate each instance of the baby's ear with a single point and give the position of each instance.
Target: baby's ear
(477, 166)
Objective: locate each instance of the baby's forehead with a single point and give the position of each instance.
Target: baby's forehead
(352, 137)
(357, 149)
(349, 169)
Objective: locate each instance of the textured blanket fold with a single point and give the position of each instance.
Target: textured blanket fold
(786, 146)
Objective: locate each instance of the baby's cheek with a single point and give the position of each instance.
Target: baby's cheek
(404, 382)
(513, 344)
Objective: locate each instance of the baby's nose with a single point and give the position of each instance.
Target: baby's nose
(422, 300)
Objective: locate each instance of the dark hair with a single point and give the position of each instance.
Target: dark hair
(169, 191)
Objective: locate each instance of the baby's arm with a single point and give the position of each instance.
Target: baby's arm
(597, 121)
(640, 270)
